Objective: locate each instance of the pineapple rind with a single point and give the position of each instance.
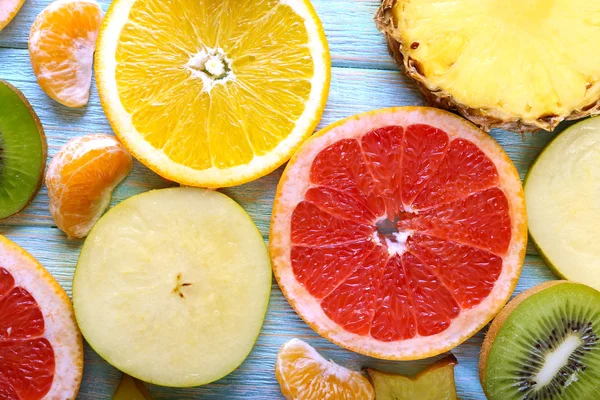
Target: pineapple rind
(485, 118)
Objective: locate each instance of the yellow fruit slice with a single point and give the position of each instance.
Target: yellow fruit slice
(41, 351)
(304, 374)
(8, 10)
(436, 382)
(172, 286)
(131, 389)
(213, 93)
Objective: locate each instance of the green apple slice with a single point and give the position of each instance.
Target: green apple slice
(562, 191)
(172, 286)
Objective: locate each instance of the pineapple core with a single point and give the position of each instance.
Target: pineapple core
(529, 58)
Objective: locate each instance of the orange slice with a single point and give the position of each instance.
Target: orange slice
(399, 233)
(61, 49)
(81, 178)
(9, 10)
(212, 93)
(41, 350)
(303, 374)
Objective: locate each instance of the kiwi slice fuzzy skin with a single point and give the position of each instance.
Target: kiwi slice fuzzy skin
(544, 345)
(23, 151)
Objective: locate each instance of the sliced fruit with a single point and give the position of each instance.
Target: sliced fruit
(81, 178)
(22, 151)
(561, 189)
(436, 382)
(131, 389)
(544, 345)
(399, 233)
(61, 49)
(517, 65)
(177, 286)
(41, 352)
(303, 374)
(8, 10)
(212, 107)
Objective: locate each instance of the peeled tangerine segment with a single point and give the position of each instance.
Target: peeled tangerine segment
(545, 344)
(436, 382)
(172, 286)
(562, 203)
(81, 178)
(61, 49)
(303, 374)
(22, 151)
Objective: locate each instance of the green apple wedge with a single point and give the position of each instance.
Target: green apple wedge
(562, 192)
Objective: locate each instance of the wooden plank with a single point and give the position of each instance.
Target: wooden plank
(255, 378)
(351, 32)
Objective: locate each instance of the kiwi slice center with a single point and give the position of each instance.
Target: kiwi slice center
(558, 359)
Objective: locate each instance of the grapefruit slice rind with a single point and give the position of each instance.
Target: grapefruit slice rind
(23, 274)
(338, 319)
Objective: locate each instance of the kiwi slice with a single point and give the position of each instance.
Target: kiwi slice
(544, 345)
(23, 151)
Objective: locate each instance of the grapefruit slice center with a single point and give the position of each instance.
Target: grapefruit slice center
(400, 230)
(26, 358)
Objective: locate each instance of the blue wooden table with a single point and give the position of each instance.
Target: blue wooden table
(363, 78)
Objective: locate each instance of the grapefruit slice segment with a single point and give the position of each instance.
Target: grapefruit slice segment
(399, 233)
(41, 352)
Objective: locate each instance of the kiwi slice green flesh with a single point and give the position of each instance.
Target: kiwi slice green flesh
(22, 151)
(545, 345)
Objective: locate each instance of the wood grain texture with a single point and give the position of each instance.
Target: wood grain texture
(364, 78)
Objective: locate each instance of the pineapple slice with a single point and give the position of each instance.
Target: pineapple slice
(521, 65)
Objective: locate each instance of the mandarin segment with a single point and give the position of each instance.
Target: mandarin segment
(399, 233)
(81, 178)
(303, 374)
(61, 49)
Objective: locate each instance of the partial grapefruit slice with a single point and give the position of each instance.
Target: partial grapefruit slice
(399, 233)
(9, 10)
(41, 352)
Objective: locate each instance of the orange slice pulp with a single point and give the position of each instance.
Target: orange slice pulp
(399, 233)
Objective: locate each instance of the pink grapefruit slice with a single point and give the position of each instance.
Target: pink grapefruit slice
(399, 233)
(41, 352)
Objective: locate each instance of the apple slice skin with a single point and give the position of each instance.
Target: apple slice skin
(14, 106)
(131, 389)
(436, 382)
